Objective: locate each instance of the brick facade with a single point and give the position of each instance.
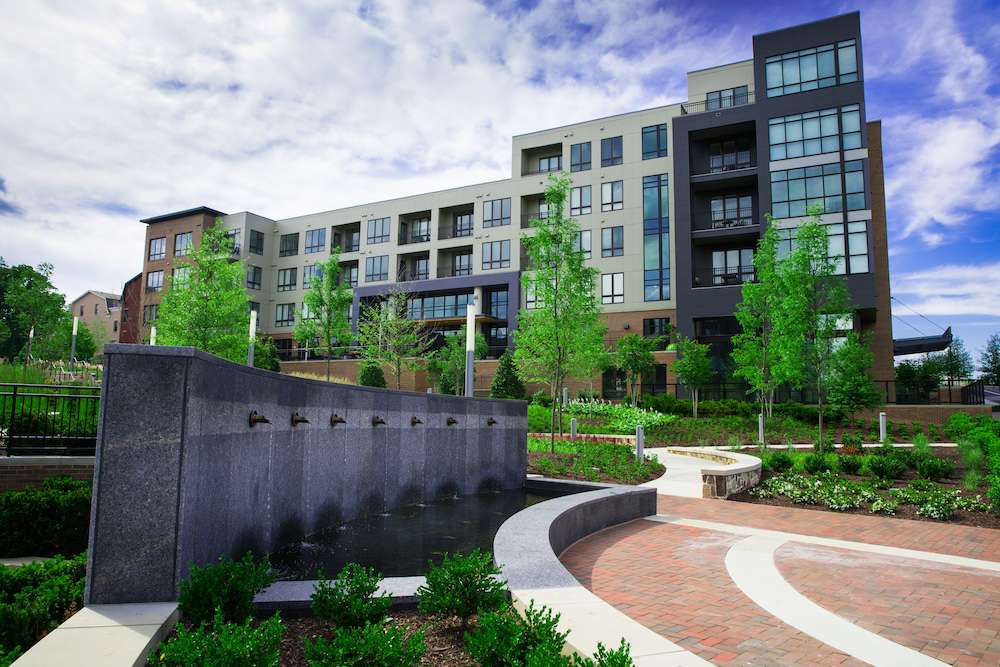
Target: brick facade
(21, 472)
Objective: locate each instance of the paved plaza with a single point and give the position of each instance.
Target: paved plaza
(744, 584)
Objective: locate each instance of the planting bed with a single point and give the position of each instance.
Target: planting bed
(590, 461)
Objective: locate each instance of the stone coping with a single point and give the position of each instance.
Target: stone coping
(527, 549)
(46, 460)
(110, 635)
(294, 598)
(719, 462)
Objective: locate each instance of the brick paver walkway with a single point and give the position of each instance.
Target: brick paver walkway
(981, 543)
(949, 613)
(673, 580)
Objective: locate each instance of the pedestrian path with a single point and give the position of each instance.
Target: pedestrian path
(682, 477)
(738, 583)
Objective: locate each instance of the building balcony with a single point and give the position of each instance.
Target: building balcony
(737, 99)
(723, 220)
(454, 272)
(723, 276)
(409, 275)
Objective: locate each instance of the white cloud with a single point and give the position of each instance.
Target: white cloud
(285, 109)
(952, 289)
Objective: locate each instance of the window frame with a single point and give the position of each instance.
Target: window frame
(288, 309)
(612, 151)
(378, 230)
(183, 249)
(613, 241)
(610, 284)
(314, 246)
(492, 206)
(503, 262)
(255, 272)
(252, 247)
(576, 200)
(161, 249)
(383, 274)
(611, 203)
(282, 284)
(659, 133)
(285, 248)
(576, 156)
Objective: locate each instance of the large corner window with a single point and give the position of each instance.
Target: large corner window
(814, 132)
(809, 69)
(656, 238)
(157, 248)
(288, 245)
(793, 191)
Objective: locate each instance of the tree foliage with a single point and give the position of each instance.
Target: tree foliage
(693, 367)
(388, 336)
(325, 321)
(265, 354)
(209, 310)
(28, 299)
(447, 363)
(989, 360)
(851, 386)
(955, 362)
(563, 337)
(634, 356)
(506, 381)
(371, 375)
(58, 343)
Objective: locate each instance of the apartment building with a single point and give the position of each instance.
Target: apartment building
(101, 313)
(670, 202)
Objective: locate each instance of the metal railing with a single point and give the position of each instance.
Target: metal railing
(49, 419)
(729, 219)
(731, 102)
(723, 276)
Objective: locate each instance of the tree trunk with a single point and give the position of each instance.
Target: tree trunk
(552, 426)
(694, 403)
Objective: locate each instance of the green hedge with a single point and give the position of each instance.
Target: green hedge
(47, 520)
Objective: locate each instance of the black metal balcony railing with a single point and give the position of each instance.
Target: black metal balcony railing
(723, 276)
(721, 163)
(725, 102)
(453, 272)
(534, 171)
(408, 275)
(350, 247)
(728, 219)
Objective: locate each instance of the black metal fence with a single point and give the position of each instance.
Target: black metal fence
(49, 419)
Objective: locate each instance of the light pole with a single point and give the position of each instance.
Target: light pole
(470, 346)
(72, 345)
(152, 335)
(253, 331)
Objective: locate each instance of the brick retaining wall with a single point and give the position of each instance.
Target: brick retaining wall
(21, 472)
(928, 414)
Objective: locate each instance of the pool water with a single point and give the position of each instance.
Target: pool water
(400, 543)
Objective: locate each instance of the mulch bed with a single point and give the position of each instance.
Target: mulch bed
(568, 459)
(961, 517)
(443, 638)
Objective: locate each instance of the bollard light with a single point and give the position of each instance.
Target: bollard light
(639, 442)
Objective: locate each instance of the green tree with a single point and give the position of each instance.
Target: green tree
(917, 379)
(209, 310)
(851, 386)
(57, 343)
(693, 367)
(371, 375)
(506, 382)
(326, 316)
(265, 354)
(634, 356)
(388, 336)
(989, 360)
(955, 362)
(756, 347)
(816, 302)
(561, 337)
(446, 364)
(28, 300)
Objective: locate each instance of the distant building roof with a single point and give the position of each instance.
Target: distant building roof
(182, 214)
(100, 295)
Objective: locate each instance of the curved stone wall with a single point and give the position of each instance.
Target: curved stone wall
(181, 476)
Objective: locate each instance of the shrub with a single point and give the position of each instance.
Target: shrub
(778, 462)
(667, 404)
(43, 521)
(973, 478)
(933, 468)
(815, 463)
(374, 645)
(587, 395)
(371, 375)
(506, 381)
(619, 657)
(883, 505)
(958, 425)
(797, 411)
(462, 586)
(541, 397)
(223, 645)
(229, 586)
(937, 507)
(726, 407)
(36, 597)
(351, 600)
(850, 463)
(504, 637)
(851, 444)
(886, 467)
(539, 418)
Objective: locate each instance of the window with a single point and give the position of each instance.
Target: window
(114, 326)
(613, 288)
(420, 230)
(376, 268)
(612, 196)
(553, 163)
(730, 97)
(531, 300)
(315, 240)
(732, 267)
(310, 273)
(420, 270)
(612, 241)
(801, 134)
(179, 276)
(857, 246)
(234, 236)
(437, 307)
(350, 274)
(496, 337)
(654, 141)
(150, 313)
(656, 326)
(255, 277)
(496, 254)
(284, 315)
(850, 126)
(611, 151)
(256, 242)
(835, 245)
(496, 303)
(579, 200)
(655, 238)
(854, 185)
(579, 157)
(288, 245)
(793, 191)
(157, 248)
(378, 230)
(462, 264)
(496, 212)
(154, 281)
(182, 243)
(95, 307)
(81, 310)
(729, 155)
(810, 69)
(731, 211)
(287, 279)
(463, 224)
(581, 243)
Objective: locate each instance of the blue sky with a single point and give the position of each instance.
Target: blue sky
(115, 111)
